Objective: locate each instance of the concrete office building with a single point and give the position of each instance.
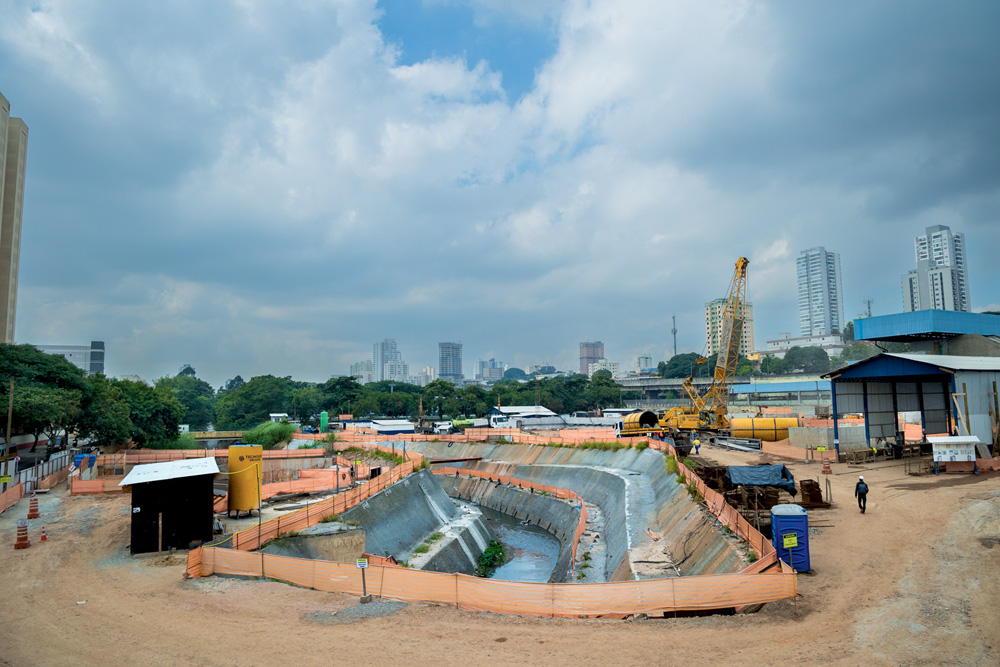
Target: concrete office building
(13, 160)
(490, 370)
(450, 362)
(590, 353)
(941, 279)
(713, 327)
(821, 302)
(88, 357)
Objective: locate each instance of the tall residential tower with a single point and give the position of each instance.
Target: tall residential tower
(941, 279)
(590, 353)
(821, 302)
(713, 327)
(450, 362)
(13, 158)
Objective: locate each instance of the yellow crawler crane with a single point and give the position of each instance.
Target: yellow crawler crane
(708, 412)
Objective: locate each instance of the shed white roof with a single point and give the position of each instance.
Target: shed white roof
(953, 439)
(953, 362)
(155, 472)
(526, 410)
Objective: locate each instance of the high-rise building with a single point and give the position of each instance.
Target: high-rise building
(88, 357)
(363, 371)
(13, 158)
(821, 303)
(490, 370)
(590, 352)
(450, 362)
(941, 279)
(643, 362)
(713, 327)
(387, 362)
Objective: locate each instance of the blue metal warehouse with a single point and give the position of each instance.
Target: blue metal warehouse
(952, 394)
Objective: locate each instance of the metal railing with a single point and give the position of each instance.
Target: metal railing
(29, 476)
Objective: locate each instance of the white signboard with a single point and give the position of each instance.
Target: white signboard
(954, 452)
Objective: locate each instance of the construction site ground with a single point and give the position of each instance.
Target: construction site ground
(914, 581)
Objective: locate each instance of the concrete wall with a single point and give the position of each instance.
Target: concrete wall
(461, 551)
(558, 517)
(324, 541)
(851, 437)
(402, 516)
(633, 490)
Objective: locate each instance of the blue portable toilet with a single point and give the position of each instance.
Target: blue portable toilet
(790, 524)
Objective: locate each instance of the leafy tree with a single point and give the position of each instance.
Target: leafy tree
(197, 397)
(39, 380)
(232, 384)
(602, 392)
(848, 334)
(339, 393)
(436, 394)
(104, 415)
(306, 402)
(770, 365)
(253, 402)
(806, 360)
(155, 413)
(514, 374)
(680, 366)
(546, 370)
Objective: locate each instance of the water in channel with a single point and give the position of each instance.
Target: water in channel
(532, 551)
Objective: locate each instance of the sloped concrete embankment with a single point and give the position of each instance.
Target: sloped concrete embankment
(401, 517)
(554, 515)
(633, 490)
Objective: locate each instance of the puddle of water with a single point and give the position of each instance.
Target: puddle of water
(533, 552)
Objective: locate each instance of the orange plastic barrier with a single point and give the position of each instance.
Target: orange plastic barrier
(726, 513)
(649, 596)
(524, 484)
(783, 449)
(82, 486)
(10, 497)
(253, 537)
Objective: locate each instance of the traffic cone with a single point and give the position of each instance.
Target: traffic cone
(826, 468)
(44, 537)
(22, 536)
(33, 509)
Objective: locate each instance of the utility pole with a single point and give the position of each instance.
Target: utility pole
(868, 304)
(674, 332)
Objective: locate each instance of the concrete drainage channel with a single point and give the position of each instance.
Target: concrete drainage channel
(641, 523)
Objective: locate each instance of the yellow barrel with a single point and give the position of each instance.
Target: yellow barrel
(245, 471)
(762, 428)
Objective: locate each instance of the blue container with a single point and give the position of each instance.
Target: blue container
(790, 523)
(77, 458)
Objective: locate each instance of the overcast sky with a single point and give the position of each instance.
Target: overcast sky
(260, 187)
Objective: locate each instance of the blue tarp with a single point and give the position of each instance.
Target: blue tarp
(770, 475)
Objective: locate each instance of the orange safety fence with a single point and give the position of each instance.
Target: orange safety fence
(10, 497)
(95, 486)
(314, 513)
(530, 486)
(784, 450)
(717, 505)
(648, 596)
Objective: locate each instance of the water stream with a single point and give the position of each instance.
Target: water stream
(532, 551)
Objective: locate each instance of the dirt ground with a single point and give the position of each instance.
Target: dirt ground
(914, 581)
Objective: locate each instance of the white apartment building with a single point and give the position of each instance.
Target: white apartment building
(713, 327)
(821, 302)
(941, 279)
(604, 365)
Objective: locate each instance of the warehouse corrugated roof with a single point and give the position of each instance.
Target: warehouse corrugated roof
(155, 472)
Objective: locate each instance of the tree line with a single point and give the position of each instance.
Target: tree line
(52, 396)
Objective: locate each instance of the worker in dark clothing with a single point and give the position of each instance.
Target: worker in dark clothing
(861, 492)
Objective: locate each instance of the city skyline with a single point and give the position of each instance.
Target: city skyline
(211, 190)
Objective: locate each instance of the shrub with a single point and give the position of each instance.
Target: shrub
(752, 557)
(492, 558)
(422, 549)
(269, 434)
(435, 537)
(671, 464)
(183, 441)
(642, 445)
(330, 518)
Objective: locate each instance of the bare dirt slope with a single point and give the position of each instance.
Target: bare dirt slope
(912, 582)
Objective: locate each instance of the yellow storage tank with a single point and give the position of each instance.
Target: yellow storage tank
(762, 428)
(639, 423)
(245, 472)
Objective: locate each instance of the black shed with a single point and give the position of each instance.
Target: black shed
(175, 496)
